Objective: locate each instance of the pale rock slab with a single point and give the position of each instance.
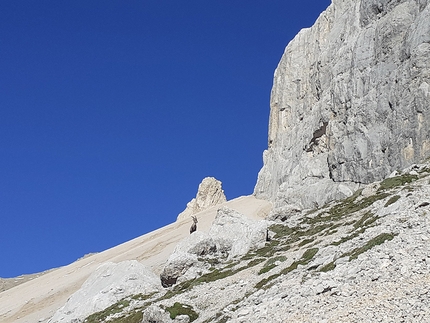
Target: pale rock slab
(210, 193)
(110, 283)
(350, 102)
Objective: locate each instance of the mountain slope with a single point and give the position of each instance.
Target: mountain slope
(38, 299)
(363, 259)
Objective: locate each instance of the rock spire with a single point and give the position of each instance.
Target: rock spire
(210, 193)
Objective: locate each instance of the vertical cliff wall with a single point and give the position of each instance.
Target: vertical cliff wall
(350, 102)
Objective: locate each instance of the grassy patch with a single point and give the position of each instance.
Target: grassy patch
(282, 230)
(351, 206)
(113, 309)
(308, 255)
(350, 237)
(135, 317)
(328, 267)
(271, 263)
(181, 309)
(305, 259)
(305, 242)
(392, 200)
(396, 181)
(369, 245)
(214, 275)
(365, 220)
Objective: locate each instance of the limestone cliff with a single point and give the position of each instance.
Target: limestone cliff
(350, 102)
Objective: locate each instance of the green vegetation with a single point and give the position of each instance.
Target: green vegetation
(305, 242)
(215, 274)
(304, 260)
(135, 317)
(271, 263)
(328, 267)
(367, 219)
(396, 181)
(113, 309)
(181, 309)
(380, 239)
(349, 206)
(392, 200)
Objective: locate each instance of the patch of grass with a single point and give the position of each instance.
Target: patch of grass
(281, 230)
(270, 264)
(142, 297)
(392, 200)
(182, 309)
(351, 206)
(135, 317)
(308, 255)
(214, 275)
(255, 262)
(305, 242)
(350, 237)
(369, 245)
(113, 309)
(367, 219)
(328, 267)
(265, 269)
(304, 260)
(267, 251)
(396, 181)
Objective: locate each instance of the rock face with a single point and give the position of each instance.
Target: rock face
(210, 193)
(107, 285)
(350, 102)
(232, 234)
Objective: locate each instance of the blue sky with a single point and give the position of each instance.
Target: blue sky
(112, 112)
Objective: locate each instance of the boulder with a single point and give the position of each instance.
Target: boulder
(154, 314)
(110, 283)
(232, 234)
(236, 234)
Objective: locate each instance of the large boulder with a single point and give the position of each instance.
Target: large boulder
(232, 234)
(236, 234)
(110, 283)
(210, 193)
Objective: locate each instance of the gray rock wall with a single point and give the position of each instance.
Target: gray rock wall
(350, 102)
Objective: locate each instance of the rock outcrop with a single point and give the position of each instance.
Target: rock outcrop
(350, 102)
(109, 284)
(210, 193)
(232, 234)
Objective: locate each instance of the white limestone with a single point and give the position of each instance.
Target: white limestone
(350, 102)
(210, 193)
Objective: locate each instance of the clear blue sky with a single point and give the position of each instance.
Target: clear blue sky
(112, 112)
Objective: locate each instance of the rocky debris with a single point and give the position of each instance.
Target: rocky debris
(110, 283)
(232, 234)
(210, 193)
(350, 102)
(362, 259)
